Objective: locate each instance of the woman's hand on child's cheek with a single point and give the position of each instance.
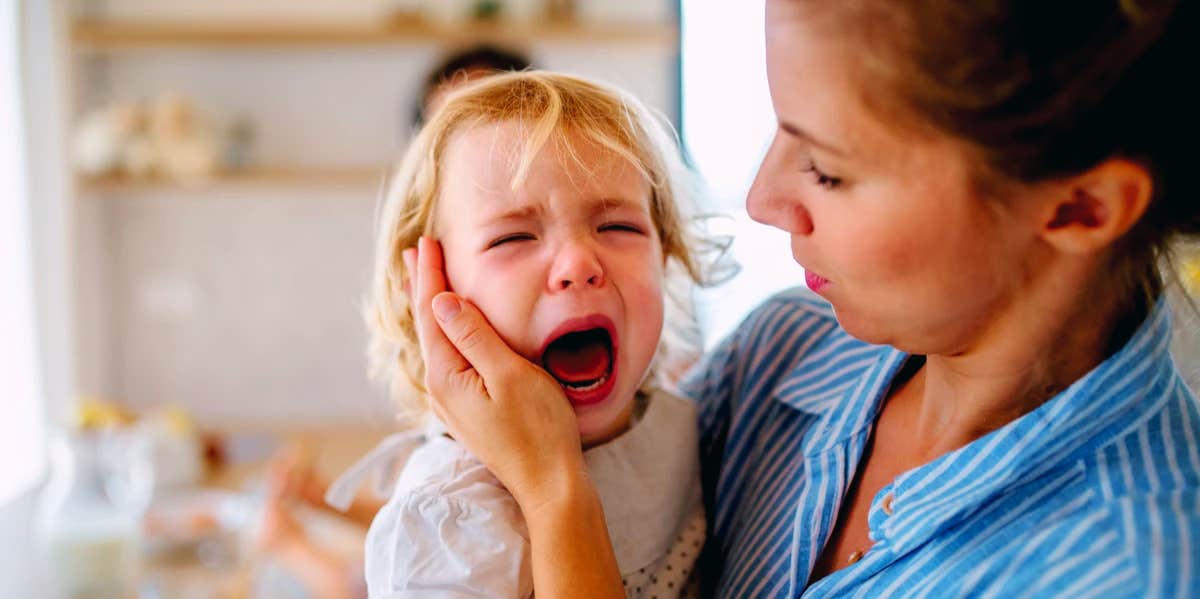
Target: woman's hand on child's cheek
(511, 414)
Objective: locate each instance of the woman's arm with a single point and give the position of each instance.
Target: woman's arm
(569, 546)
(514, 418)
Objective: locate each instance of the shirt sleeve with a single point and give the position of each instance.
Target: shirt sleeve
(467, 543)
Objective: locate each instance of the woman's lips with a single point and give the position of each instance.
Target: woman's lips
(815, 281)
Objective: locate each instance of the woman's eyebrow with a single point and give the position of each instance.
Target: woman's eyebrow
(793, 130)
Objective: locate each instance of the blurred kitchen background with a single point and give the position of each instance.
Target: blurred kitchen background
(185, 242)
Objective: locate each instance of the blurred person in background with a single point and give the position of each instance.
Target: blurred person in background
(463, 67)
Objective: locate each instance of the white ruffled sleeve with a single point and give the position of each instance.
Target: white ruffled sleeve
(450, 530)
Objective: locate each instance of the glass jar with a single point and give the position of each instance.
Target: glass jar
(89, 522)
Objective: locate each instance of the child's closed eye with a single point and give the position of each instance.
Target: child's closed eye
(510, 238)
(621, 228)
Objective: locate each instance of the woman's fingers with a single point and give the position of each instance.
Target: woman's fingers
(459, 345)
(475, 339)
(442, 361)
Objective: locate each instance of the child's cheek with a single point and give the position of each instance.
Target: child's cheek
(458, 273)
(505, 292)
(500, 309)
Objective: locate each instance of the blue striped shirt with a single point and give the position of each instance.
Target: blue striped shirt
(1096, 493)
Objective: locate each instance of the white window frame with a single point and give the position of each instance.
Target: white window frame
(36, 349)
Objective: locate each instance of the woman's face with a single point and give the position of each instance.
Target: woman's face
(887, 224)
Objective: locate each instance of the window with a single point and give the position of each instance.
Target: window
(727, 124)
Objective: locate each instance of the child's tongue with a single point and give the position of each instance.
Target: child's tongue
(577, 360)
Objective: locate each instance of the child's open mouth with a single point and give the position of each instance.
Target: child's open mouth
(583, 362)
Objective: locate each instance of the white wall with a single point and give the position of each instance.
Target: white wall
(243, 306)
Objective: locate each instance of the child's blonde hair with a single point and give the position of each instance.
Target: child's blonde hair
(553, 108)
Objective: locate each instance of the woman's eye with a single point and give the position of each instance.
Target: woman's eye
(822, 179)
(623, 227)
(511, 238)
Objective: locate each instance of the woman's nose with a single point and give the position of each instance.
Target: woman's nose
(782, 211)
(774, 198)
(576, 266)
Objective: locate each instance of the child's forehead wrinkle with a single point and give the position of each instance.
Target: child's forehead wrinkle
(515, 210)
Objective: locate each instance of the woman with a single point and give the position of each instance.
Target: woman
(985, 406)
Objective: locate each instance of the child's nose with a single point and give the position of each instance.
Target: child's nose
(576, 266)
(592, 281)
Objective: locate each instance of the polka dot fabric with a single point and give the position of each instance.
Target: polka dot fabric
(672, 575)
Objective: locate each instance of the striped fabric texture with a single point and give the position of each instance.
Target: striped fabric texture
(1096, 493)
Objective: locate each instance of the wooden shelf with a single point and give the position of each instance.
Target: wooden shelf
(369, 179)
(123, 36)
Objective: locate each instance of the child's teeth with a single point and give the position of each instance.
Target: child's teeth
(593, 386)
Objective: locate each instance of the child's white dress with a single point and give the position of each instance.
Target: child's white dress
(450, 529)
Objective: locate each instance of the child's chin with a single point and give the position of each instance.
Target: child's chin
(603, 423)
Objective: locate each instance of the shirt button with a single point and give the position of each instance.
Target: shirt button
(887, 503)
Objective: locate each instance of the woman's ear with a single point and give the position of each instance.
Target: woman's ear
(1088, 212)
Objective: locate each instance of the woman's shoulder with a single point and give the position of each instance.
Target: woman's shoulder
(1146, 489)
(1127, 547)
(1139, 545)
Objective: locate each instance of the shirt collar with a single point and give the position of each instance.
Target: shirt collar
(1116, 396)
(647, 480)
(849, 397)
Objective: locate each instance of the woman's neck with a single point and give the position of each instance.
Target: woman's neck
(1055, 332)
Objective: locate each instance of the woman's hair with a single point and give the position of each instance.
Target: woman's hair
(556, 110)
(1046, 90)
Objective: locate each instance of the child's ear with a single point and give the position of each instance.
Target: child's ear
(1088, 212)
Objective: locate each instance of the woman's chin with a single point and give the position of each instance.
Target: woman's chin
(863, 329)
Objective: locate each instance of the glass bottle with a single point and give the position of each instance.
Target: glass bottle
(89, 525)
